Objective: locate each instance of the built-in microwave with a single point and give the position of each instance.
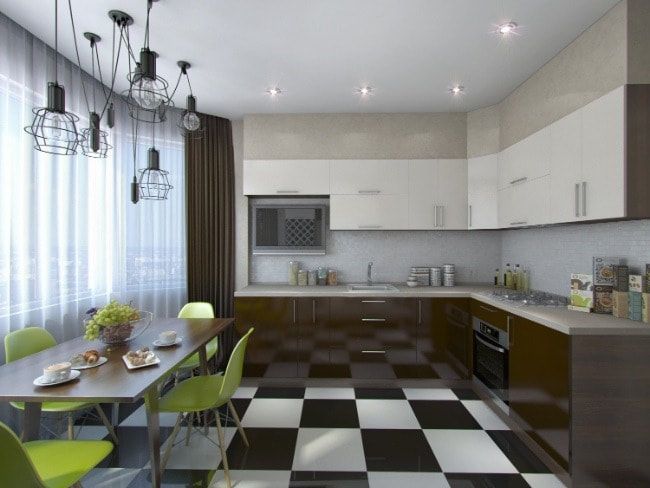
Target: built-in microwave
(298, 227)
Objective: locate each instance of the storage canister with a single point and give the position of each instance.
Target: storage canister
(293, 273)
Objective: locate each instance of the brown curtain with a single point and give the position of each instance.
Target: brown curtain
(210, 180)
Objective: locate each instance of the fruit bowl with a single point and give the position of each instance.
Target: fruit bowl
(125, 332)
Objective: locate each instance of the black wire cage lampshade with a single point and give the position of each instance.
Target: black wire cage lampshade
(95, 140)
(154, 183)
(189, 122)
(147, 89)
(54, 130)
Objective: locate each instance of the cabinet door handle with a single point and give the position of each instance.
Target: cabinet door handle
(584, 198)
(519, 180)
(370, 227)
(419, 312)
(490, 346)
(373, 351)
(373, 301)
(442, 215)
(294, 310)
(523, 222)
(373, 320)
(313, 311)
(435, 215)
(369, 192)
(470, 215)
(487, 309)
(287, 191)
(577, 189)
(511, 331)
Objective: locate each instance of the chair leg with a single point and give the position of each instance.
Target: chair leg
(170, 445)
(107, 424)
(190, 424)
(70, 426)
(222, 448)
(205, 422)
(231, 407)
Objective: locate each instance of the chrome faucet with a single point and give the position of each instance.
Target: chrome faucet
(370, 273)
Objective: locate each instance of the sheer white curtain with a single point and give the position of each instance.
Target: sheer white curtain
(69, 236)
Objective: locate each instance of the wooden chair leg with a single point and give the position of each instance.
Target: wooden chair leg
(231, 407)
(107, 424)
(70, 426)
(222, 448)
(170, 442)
(190, 425)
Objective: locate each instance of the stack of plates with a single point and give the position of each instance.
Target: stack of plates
(436, 276)
(449, 275)
(420, 274)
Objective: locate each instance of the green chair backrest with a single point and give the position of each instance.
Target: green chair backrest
(196, 310)
(232, 376)
(15, 466)
(27, 341)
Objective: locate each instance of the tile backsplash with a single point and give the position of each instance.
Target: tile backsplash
(553, 253)
(476, 254)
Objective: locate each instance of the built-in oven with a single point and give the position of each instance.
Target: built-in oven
(288, 227)
(490, 352)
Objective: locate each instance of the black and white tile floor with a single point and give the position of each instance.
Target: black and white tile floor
(337, 437)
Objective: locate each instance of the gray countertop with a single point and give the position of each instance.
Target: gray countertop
(557, 318)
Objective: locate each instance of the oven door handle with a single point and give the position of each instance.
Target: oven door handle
(487, 344)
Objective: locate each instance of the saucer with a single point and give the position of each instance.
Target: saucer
(157, 343)
(40, 381)
(100, 361)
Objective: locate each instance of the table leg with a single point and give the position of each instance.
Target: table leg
(153, 432)
(31, 421)
(203, 360)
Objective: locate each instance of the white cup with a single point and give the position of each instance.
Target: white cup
(57, 372)
(167, 337)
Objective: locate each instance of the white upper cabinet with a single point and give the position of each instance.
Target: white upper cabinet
(287, 177)
(566, 168)
(482, 192)
(603, 157)
(369, 177)
(369, 212)
(437, 194)
(526, 160)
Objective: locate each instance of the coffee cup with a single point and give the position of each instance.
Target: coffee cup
(167, 337)
(57, 372)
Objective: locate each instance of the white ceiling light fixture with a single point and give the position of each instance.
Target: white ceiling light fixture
(457, 90)
(507, 28)
(274, 92)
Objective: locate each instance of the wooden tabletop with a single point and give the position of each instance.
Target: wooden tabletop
(112, 381)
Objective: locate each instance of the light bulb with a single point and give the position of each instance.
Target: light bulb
(145, 94)
(53, 130)
(191, 121)
(507, 28)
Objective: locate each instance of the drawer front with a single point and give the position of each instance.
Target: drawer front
(490, 314)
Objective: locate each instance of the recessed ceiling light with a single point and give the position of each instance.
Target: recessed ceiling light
(457, 90)
(274, 92)
(507, 28)
(364, 90)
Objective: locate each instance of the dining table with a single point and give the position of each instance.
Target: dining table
(112, 382)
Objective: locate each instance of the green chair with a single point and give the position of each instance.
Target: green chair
(202, 393)
(30, 340)
(198, 310)
(47, 464)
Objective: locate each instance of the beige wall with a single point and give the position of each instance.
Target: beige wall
(638, 41)
(592, 65)
(355, 136)
(241, 208)
(483, 131)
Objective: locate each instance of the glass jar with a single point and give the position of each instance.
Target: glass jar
(312, 277)
(322, 275)
(332, 278)
(302, 277)
(293, 273)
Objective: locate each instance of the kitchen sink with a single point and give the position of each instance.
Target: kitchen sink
(377, 287)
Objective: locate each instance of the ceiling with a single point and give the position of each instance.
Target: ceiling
(318, 51)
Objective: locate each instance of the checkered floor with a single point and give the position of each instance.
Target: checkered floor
(337, 437)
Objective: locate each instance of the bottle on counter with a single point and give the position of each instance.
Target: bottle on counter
(507, 277)
(525, 281)
(293, 272)
(322, 275)
(332, 277)
(497, 277)
(312, 277)
(516, 278)
(302, 277)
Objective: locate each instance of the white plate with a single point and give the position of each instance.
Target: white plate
(40, 381)
(146, 365)
(157, 343)
(99, 362)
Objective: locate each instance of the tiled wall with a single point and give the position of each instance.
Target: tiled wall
(476, 255)
(552, 253)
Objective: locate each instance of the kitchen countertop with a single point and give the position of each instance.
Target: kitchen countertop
(557, 318)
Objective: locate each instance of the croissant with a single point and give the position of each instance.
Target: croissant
(91, 356)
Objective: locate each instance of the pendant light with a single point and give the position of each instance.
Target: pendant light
(147, 90)
(54, 130)
(153, 184)
(95, 143)
(189, 122)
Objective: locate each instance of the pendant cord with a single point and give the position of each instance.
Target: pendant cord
(76, 48)
(127, 40)
(178, 81)
(146, 29)
(116, 59)
(56, 41)
(188, 83)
